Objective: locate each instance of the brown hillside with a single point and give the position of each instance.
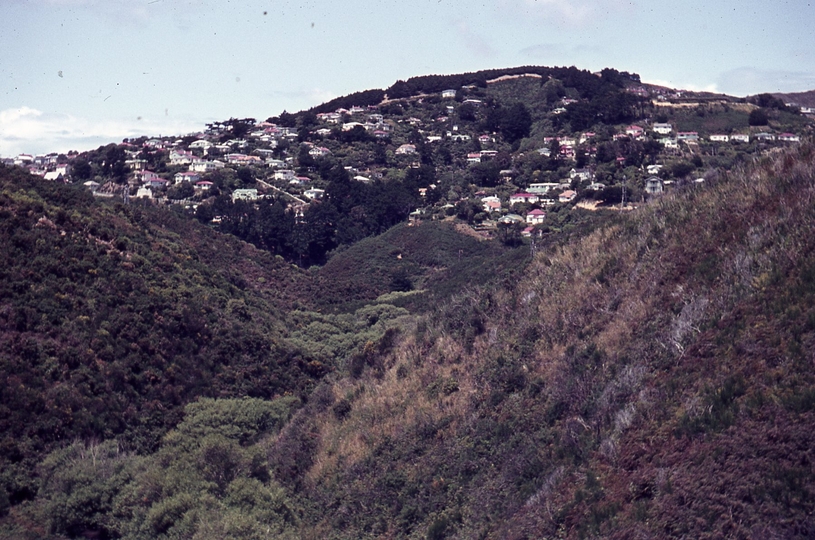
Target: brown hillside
(803, 99)
(654, 380)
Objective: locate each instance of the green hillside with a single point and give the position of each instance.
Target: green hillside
(485, 305)
(428, 261)
(650, 380)
(114, 317)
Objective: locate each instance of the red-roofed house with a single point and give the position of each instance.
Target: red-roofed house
(523, 198)
(634, 131)
(567, 196)
(535, 216)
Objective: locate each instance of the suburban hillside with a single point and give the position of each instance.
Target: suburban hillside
(519, 303)
(653, 380)
(650, 378)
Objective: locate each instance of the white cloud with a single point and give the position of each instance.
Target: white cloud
(749, 81)
(572, 12)
(28, 130)
(125, 11)
(301, 99)
(555, 54)
(473, 41)
(683, 85)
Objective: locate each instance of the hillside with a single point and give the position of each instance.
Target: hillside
(803, 99)
(429, 261)
(651, 380)
(112, 318)
(521, 303)
(484, 146)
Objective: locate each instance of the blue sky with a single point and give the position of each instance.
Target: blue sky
(75, 74)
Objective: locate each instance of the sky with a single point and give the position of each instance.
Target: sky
(77, 74)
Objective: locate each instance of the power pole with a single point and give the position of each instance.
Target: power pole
(622, 202)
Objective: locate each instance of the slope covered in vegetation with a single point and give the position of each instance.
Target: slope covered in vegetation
(651, 380)
(116, 317)
(113, 317)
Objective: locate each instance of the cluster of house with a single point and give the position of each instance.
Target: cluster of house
(50, 166)
(372, 122)
(637, 132)
(543, 194)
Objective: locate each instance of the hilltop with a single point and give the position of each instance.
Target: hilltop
(488, 147)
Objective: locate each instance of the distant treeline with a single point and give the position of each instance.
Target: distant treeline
(348, 212)
(587, 83)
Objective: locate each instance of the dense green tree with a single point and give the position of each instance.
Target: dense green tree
(758, 117)
(81, 169)
(246, 176)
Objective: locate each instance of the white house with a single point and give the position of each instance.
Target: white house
(206, 166)
(136, 164)
(567, 196)
(510, 219)
(191, 177)
(181, 157)
(250, 194)
(156, 182)
(284, 175)
(448, 94)
(719, 138)
(740, 137)
(523, 198)
(634, 131)
(687, 136)
(406, 149)
(91, 185)
(542, 187)
(143, 192)
(203, 144)
(535, 217)
(582, 174)
(662, 128)
(491, 204)
(314, 193)
(654, 186)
